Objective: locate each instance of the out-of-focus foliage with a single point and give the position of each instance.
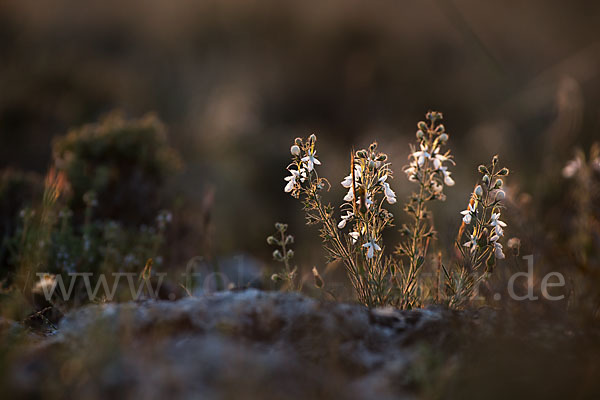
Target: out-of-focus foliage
(124, 162)
(17, 190)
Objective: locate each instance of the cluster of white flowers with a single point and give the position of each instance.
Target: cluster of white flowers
(302, 166)
(494, 223)
(417, 163)
(294, 179)
(497, 233)
(364, 183)
(390, 195)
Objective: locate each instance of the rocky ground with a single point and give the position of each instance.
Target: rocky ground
(241, 345)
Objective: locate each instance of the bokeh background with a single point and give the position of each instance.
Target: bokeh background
(235, 81)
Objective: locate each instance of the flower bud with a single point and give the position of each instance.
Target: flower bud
(289, 239)
(443, 138)
(382, 157)
(290, 254)
(420, 134)
(440, 128)
(371, 165)
(312, 138)
(486, 179)
(298, 141)
(361, 154)
(277, 255)
(500, 195)
(422, 126)
(503, 171)
(276, 278)
(483, 169)
(295, 150)
(495, 160)
(478, 191)
(271, 241)
(498, 184)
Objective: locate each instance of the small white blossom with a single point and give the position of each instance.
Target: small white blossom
(350, 195)
(345, 219)
(411, 171)
(472, 243)
(497, 224)
(438, 159)
(468, 213)
(390, 196)
(355, 236)
(347, 182)
(421, 155)
(498, 251)
(293, 179)
(372, 247)
(310, 160)
(448, 181)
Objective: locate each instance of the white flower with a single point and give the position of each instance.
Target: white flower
(345, 219)
(347, 182)
(350, 195)
(571, 168)
(472, 243)
(372, 247)
(292, 180)
(411, 171)
(447, 178)
(355, 236)
(468, 213)
(421, 156)
(310, 160)
(497, 224)
(390, 196)
(498, 251)
(438, 159)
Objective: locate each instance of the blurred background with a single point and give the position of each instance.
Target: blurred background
(234, 82)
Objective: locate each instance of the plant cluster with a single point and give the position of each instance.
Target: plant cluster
(357, 238)
(75, 225)
(284, 255)
(482, 229)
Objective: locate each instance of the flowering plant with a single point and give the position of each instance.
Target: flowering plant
(481, 230)
(427, 169)
(356, 238)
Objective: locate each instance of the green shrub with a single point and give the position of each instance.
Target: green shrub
(124, 162)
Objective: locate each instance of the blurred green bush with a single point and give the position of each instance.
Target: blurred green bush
(124, 162)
